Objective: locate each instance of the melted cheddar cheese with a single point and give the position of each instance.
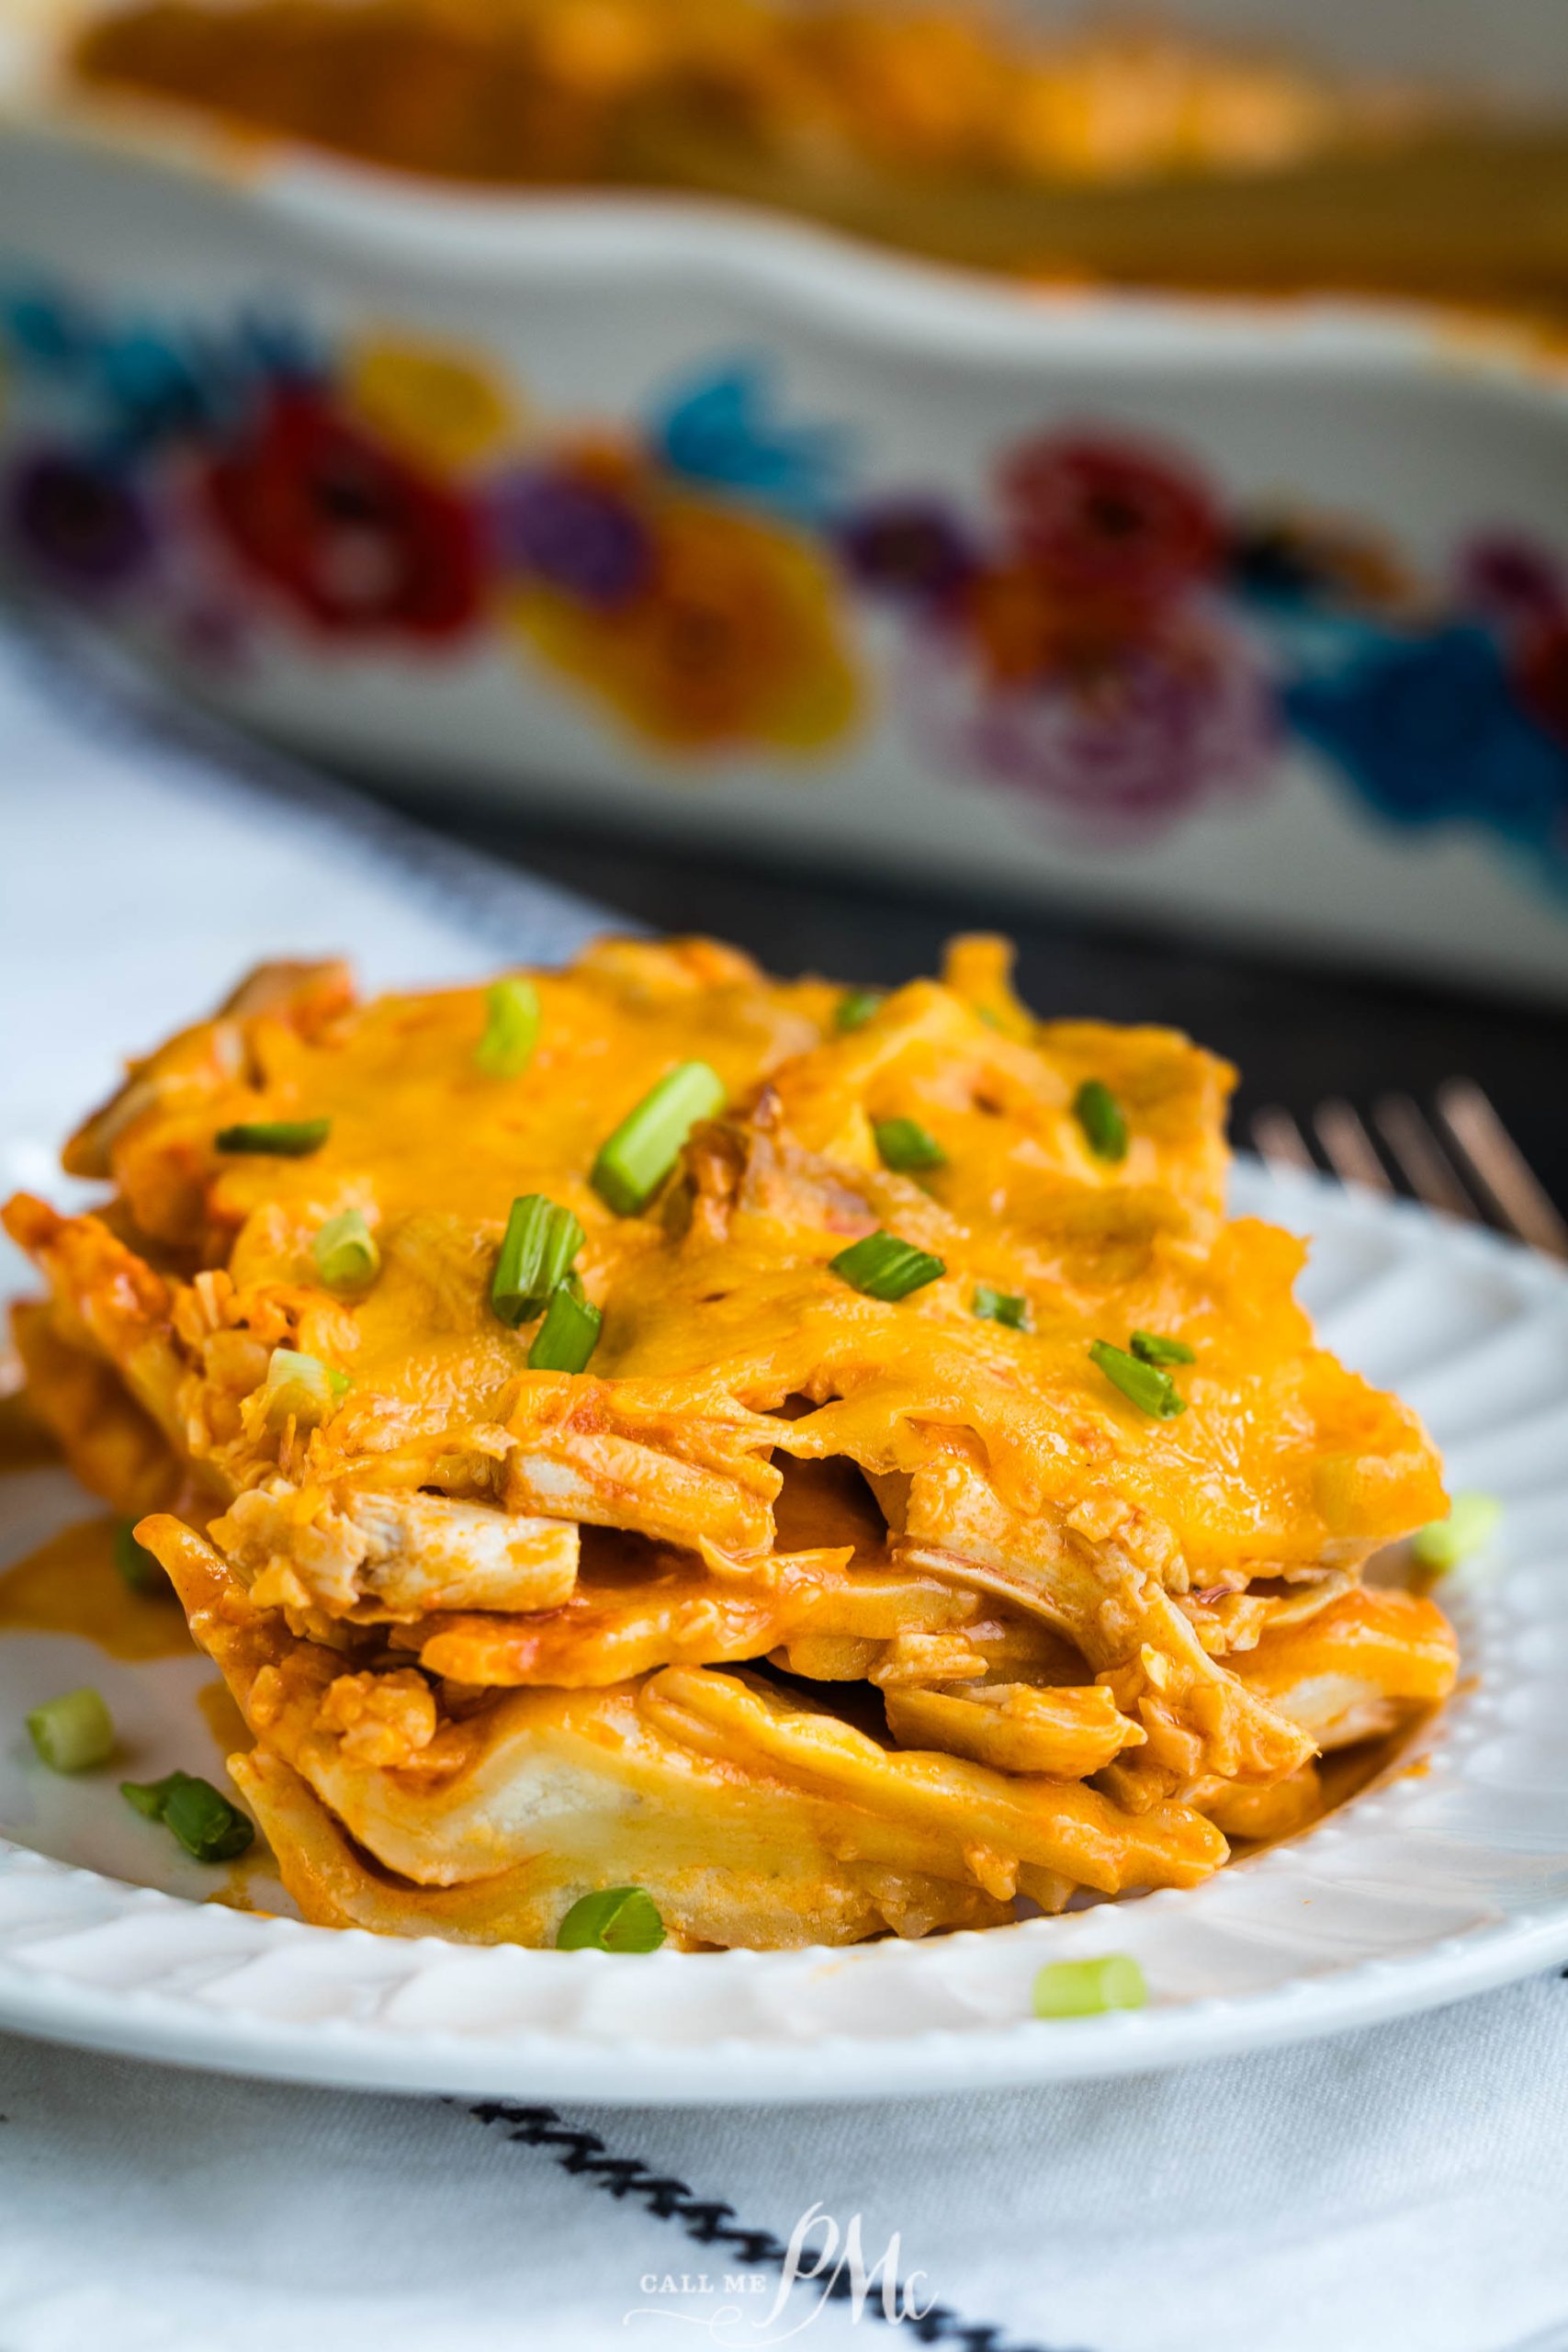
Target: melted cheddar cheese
(815, 1613)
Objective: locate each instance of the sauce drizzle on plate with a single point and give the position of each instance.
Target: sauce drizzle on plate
(71, 1585)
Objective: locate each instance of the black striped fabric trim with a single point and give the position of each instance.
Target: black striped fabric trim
(668, 2199)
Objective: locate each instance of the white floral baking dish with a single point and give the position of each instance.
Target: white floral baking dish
(1251, 616)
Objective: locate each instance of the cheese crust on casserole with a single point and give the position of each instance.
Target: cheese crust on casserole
(815, 1613)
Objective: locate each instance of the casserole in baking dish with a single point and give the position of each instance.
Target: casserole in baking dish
(681, 515)
(1138, 156)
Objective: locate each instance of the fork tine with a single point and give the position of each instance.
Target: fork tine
(1420, 1157)
(1351, 1152)
(1278, 1142)
(1501, 1167)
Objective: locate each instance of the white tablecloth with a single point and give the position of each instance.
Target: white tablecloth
(1398, 2191)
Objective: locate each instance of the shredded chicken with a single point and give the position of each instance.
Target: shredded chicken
(818, 1614)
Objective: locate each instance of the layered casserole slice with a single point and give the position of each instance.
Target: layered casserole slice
(824, 1460)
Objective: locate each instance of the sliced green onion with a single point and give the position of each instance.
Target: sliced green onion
(345, 1252)
(285, 1138)
(906, 1145)
(1000, 1307)
(1151, 1390)
(1099, 1114)
(146, 1796)
(536, 1251)
(512, 1029)
(569, 1332)
(1470, 1526)
(303, 1385)
(136, 1564)
(622, 1919)
(635, 1160)
(1087, 1988)
(74, 1732)
(856, 1008)
(884, 1267)
(1153, 1347)
(203, 1820)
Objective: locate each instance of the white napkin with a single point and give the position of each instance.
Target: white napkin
(148, 857)
(1401, 2189)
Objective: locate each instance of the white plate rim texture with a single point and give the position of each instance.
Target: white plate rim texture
(1438, 1882)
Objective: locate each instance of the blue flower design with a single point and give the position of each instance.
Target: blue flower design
(720, 430)
(149, 383)
(47, 330)
(1429, 730)
(152, 389)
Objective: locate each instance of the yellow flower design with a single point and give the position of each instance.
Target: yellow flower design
(441, 407)
(730, 639)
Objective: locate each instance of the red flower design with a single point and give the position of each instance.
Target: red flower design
(354, 537)
(1109, 524)
(1540, 673)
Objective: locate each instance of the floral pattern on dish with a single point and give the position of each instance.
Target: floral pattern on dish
(1104, 633)
(702, 626)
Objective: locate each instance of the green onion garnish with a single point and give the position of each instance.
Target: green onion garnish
(1151, 1390)
(905, 1144)
(536, 1251)
(884, 1267)
(569, 1332)
(1000, 1307)
(203, 1820)
(74, 1732)
(136, 1564)
(856, 1008)
(304, 1385)
(1469, 1528)
(623, 1918)
(345, 1253)
(637, 1158)
(1087, 1988)
(1099, 1114)
(285, 1138)
(1153, 1347)
(512, 1029)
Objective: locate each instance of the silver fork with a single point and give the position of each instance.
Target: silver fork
(1462, 1161)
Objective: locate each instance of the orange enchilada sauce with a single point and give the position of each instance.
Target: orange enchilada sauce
(71, 1585)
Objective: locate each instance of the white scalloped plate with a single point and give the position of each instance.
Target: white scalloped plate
(1439, 1882)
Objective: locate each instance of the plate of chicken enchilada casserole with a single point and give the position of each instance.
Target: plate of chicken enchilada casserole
(745, 1519)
